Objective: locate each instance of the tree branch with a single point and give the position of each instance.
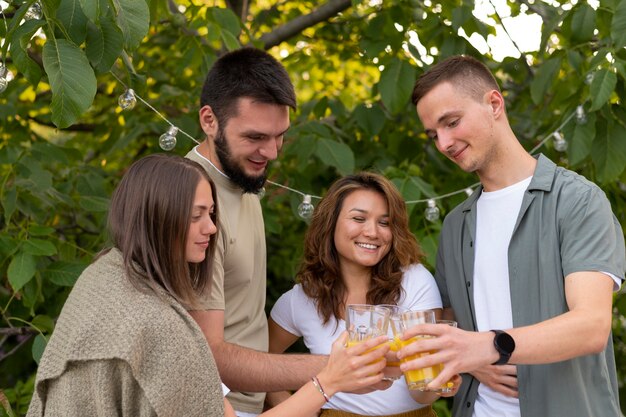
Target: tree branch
(13, 331)
(297, 25)
(16, 347)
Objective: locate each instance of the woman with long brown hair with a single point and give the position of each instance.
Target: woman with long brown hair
(358, 250)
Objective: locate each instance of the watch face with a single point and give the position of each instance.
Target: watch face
(505, 342)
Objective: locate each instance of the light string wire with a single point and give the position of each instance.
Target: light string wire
(466, 190)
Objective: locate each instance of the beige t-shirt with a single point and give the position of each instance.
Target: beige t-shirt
(239, 275)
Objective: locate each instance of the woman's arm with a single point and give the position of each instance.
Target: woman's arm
(279, 341)
(348, 369)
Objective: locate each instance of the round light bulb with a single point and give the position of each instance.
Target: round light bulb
(4, 79)
(432, 211)
(167, 141)
(305, 209)
(127, 100)
(560, 144)
(581, 117)
(33, 12)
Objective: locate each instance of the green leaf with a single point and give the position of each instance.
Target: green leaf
(460, 15)
(227, 20)
(39, 345)
(35, 246)
(21, 270)
(9, 155)
(41, 178)
(302, 148)
(93, 9)
(618, 25)
(133, 17)
(43, 323)
(583, 23)
(63, 273)
(51, 5)
(37, 230)
(609, 153)
(9, 202)
(71, 78)
(71, 16)
(19, 46)
(93, 203)
(104, 44)
(582, 140)
(602, 86)
(396, 85)
(8, 246)
(336, 154)
(230, 41)
(621, 67)
(370, 119)
(543, 79)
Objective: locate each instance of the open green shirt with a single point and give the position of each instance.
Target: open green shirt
(565, 225)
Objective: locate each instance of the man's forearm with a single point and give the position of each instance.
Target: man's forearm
(243, 369)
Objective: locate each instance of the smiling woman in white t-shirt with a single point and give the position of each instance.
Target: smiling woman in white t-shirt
(358, 250)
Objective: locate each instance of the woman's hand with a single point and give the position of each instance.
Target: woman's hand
(354, 368)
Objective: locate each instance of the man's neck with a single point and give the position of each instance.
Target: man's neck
(515, 165)
(205, 151)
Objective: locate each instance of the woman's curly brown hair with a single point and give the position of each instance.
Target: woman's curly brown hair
(319, 271)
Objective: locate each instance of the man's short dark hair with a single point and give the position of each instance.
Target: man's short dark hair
(464, 72)
(246, 72)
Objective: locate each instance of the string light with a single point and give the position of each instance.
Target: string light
(4, 77)
(167, 141)
(581, 117)
(305, 209)
(432, 211)
(34, 11)
(560, 144)
(127, 100)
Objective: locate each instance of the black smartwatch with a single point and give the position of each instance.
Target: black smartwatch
(505, 345)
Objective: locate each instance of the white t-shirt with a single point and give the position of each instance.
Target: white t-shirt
(497, 212)
(297, 314)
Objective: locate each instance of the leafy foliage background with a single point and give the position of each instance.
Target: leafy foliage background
(64, 142)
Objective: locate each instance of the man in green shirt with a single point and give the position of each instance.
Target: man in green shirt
(527, 265)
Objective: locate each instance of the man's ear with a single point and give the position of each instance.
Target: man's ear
(496, 102)
(208, 121)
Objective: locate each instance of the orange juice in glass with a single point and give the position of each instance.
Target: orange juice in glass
(364, 322)
(395, 310)
(415, 378)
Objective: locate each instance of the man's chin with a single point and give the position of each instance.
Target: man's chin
(249, 184)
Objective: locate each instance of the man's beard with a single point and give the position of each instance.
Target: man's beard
(230, 167)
